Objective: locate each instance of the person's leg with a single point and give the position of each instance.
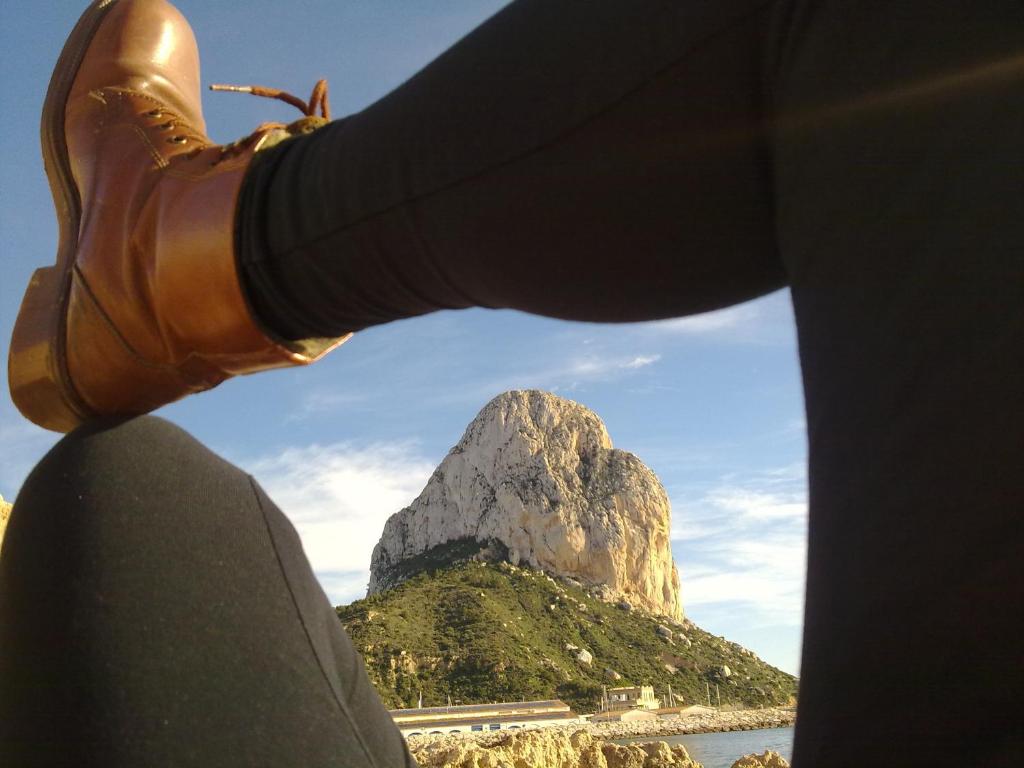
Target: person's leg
(900, 176)
(897, 194)
(156, 609)
(602, 161)
(597, 161)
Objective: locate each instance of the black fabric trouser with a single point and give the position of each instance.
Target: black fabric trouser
(158, 610)
(635, 160)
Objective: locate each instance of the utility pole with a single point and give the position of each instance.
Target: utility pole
(718, 696)
(671, 701)
(707, 688)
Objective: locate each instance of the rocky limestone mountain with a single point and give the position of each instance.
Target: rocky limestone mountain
(538, 474)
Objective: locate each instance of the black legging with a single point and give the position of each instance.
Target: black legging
(157, 610)
(636, 160)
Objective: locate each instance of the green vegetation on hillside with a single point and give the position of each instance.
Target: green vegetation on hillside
(479, 632)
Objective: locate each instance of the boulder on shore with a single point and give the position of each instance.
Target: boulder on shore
(546, 748)
(769, 759)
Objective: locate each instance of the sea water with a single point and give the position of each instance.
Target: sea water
(721, 750)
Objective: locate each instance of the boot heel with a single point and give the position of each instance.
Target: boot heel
(36, 363)
(38, 383)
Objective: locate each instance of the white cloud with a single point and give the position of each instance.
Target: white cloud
(338, 497)
(325, 401)
(641, 360)
(764, 321)
(22, 445)
(741, 547)
(711, 322)
(758, 505)
(760, 579)
(342, 587)
(596, 367)
(567, 376)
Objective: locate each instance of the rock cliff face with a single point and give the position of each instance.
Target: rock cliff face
(538, 474)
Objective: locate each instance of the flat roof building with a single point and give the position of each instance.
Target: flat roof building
(468, 718)
(624, 715)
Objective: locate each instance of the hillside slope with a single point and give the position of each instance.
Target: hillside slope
(484, 631)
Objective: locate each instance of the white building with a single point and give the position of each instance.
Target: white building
(471, 718)
(632, 697)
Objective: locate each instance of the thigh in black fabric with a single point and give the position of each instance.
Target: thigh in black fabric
(900, 198)
(158, 610)
(595, 161)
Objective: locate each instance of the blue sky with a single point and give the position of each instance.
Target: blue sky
(711, 403)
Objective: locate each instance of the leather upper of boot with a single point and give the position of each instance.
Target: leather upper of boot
(145, 46)
(156, 309)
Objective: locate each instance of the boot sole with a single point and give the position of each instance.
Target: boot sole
(40, 384)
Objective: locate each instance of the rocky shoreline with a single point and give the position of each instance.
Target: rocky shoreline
(562, 748)
(590, 745)
(711, 721)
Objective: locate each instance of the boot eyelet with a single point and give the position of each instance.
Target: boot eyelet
(178, 140)
(155, 113)
(166, 126)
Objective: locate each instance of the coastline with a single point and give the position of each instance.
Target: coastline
(702, 722)
(677, 725)
(618, 744)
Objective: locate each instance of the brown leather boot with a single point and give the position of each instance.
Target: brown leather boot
(144, 304)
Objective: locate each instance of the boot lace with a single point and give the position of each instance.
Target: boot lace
(308, 123)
